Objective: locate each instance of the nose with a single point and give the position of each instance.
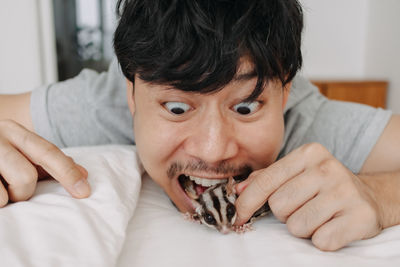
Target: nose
(212, 139)
(224, 230)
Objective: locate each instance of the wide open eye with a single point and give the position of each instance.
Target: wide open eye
(209, 219)
(246, 108)
(177, 108)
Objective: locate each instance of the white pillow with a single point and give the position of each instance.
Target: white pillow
(54, 229)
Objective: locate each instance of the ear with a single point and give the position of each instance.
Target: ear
(130, 96)
(230, 186)
(286, 93)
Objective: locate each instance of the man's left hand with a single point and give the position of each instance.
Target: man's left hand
(315, 195)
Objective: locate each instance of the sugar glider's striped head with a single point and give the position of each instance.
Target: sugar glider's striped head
(216, 207)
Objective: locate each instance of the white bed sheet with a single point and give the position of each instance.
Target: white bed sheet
(116, 227)
(159, 236)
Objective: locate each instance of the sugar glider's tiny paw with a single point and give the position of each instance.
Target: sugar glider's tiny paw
(243, 228)
(190, 217)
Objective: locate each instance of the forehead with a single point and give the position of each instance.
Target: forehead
(245, 72)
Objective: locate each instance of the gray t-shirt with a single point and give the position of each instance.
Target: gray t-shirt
(91, 109)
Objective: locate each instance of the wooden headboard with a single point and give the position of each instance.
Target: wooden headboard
(372, 93)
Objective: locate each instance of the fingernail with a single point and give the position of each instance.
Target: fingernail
(82, 188)
(240, 187)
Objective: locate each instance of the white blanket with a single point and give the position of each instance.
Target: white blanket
(53, 229)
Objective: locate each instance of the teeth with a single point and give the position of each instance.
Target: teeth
(207, 182)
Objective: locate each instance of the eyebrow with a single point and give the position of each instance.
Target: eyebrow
(245, 76)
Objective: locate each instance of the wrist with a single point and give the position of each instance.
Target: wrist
(384, 188)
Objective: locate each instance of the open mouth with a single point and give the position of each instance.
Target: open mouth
(195, 186)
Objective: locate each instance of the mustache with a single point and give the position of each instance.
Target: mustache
(200, 165)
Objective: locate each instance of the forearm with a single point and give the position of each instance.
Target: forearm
(16, 108)
(386, 189)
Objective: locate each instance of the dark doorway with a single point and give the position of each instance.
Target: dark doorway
(84, 30)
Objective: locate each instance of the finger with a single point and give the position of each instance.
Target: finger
(314, 213)
(18, 173)
(21, 192)
(3, 195)
(294, 193)
(335, 234)
(355, 223)
(83, 171)
(268, 180)
(343, 228)
(51, 159)
(44, 175)
(243, 185)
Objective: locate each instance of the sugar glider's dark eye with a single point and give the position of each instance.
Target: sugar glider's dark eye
(209, 219)
(230, 211)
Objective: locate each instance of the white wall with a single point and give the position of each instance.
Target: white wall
(353, 39)
(334, 38)
(383, 47)
(27, 50)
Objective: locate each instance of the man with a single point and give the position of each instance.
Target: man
(208, 86)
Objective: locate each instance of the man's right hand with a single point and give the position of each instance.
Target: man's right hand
(26, 157)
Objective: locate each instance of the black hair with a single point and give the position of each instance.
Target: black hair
(196, 45)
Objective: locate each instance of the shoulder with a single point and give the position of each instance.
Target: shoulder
(302, 90)
(348, 130)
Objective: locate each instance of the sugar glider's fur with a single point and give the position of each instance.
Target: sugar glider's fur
(216, 208)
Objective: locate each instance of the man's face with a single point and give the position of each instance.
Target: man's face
(208, 136)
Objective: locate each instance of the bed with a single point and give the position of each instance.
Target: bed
(129, 221)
